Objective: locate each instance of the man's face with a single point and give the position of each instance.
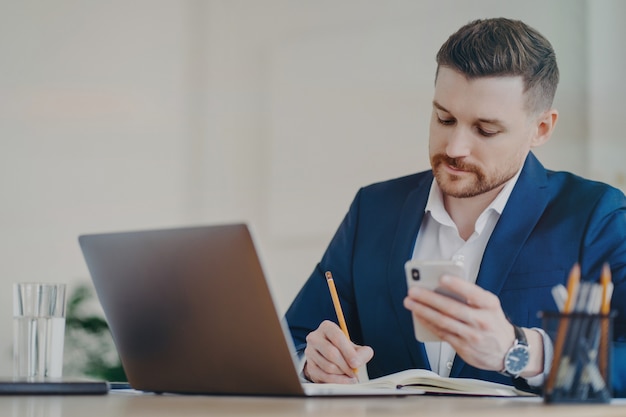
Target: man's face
(480, 132)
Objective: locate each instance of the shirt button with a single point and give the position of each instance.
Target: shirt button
(449, 365)
(458, 258)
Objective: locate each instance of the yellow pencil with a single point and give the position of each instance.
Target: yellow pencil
(605, 281)
(572, 288)
(333, 294)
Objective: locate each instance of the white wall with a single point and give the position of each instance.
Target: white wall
(607, 91)
(319, 98)
(94, 131)
(155, 113)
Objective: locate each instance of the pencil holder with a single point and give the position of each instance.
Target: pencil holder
(581, 366)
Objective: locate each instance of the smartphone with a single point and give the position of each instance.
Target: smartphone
(426, 274)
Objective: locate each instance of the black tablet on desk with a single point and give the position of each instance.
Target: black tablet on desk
(9, 386)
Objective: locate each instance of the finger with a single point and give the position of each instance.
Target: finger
(442, 304)
(319, 369)
(316, 374)
(348, 357)
(446, 317)
(435, 317)
(353, 355)
(322, 361)
(364, 354)
(473, 295)
(331, 344)
(325, 355)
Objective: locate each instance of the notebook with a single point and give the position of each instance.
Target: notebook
(52, 387)
(190, 312)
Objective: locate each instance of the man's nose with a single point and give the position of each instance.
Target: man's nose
(459, 142)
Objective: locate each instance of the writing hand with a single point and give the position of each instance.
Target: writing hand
(331, 357)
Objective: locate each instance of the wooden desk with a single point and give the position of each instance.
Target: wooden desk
(128, 404)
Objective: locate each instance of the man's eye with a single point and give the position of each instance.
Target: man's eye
(486, 133)
(446, 122)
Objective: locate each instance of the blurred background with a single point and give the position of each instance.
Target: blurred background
(140, 114)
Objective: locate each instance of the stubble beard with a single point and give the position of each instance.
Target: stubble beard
(451, 185)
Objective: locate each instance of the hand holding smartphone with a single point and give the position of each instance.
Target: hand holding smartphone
(426, 274)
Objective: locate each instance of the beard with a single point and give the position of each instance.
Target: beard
(460, 186)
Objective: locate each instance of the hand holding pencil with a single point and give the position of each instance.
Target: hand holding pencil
(330, 354)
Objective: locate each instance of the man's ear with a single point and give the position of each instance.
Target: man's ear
(545, 124)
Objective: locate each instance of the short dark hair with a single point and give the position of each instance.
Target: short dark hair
(504, 47)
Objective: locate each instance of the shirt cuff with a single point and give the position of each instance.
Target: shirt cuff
(548, 353)
(300, 361)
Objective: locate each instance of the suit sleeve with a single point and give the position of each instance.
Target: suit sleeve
(605, 241)
(313, 303)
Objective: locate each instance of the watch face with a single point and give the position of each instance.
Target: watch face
(516, 359)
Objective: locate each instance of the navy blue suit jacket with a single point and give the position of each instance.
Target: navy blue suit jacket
(551, 221)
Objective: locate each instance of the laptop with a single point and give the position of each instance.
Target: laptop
(190, 312)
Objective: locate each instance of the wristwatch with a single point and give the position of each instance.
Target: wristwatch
(517, 357)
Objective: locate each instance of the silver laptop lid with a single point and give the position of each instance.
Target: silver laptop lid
(190, 311)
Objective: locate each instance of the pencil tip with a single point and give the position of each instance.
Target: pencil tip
(329, 275)
(606, 272)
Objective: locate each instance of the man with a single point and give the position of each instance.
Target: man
(518, 227)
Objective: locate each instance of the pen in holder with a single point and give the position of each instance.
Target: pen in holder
(581, 364)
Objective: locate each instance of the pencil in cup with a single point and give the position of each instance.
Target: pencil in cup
(605, 310)
(572, 288)
(580, 369)
(575, 371)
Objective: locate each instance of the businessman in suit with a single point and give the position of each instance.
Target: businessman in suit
(488, 201)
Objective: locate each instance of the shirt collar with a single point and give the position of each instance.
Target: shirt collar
(438, 212)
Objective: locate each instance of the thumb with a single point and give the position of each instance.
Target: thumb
(363, 355)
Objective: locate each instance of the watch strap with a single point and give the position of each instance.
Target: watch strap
(520, 336)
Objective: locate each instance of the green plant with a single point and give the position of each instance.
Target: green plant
(89, 347)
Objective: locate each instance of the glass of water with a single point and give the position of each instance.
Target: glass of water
(38, 330)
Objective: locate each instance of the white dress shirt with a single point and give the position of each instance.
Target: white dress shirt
(438, 238)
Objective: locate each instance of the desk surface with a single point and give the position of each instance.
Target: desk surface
(128, 404)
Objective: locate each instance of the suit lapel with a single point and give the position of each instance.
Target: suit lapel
(402, 250)
(524, 208)
(522, 211)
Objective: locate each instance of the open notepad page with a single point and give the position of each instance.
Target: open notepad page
(422, 381)
(351, 390)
